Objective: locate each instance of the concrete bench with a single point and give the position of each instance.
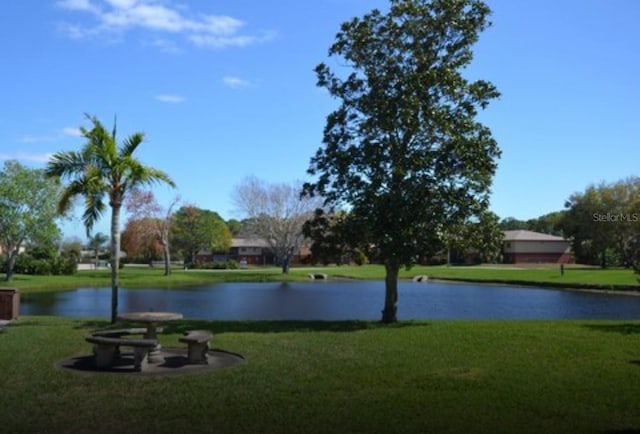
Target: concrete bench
(118, 333)
(106, 350)
(198, 345)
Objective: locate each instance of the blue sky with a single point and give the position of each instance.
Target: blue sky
(225, 89)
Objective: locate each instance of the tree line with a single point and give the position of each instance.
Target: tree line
(602, 223)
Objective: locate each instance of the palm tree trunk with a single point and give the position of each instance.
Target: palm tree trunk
(115, 257)
(389, 314)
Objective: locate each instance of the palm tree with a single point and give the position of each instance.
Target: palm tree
(96, 242)
(101, 169)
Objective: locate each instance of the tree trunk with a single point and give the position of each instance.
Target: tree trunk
(167, 257)
(285, 264)
(11, 263)
(389, 314)
(115, 258)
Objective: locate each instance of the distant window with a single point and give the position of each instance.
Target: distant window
(508, 244)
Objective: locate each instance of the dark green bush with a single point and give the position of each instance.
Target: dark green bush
(360, 258)
(27, 264)
(215, 265)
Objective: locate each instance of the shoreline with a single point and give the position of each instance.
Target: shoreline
(583, 287)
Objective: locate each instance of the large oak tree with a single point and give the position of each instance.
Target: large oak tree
(404, 150)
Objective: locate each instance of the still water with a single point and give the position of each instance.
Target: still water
(340, 300)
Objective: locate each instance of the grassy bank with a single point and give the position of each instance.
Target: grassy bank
(622, 279)
(350, 376)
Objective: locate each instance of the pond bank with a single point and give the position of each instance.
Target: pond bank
(609, 289)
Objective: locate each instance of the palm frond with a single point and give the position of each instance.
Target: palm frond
(140, 175)
(94, 207)
(100, 169)
(131, 143)
(66, 164)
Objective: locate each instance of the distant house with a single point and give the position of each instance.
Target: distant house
(522, 246)
(254, 251)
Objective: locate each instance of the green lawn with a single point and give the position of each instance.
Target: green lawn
(153, 277)
(348, 376)
(546, 275)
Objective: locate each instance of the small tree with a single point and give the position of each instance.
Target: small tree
(144, 207)
(72, 248)
(404, 149)
(140, 241)
(275, 213)
(96, 244)
(195, 229)
(27, 211)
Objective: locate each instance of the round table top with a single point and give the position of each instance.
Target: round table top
(151, 316)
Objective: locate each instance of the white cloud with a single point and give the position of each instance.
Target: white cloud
(235, 82)
(34, 138)
(119, 16)
(165, 45)
(22, 156)
(214, 41)
(71, 131)
(122, 3)
(170, 98)
(79, 5)
(52, 137)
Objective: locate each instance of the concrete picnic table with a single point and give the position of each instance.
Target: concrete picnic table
(151, 321)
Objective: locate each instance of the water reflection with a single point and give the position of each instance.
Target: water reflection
(340, 300)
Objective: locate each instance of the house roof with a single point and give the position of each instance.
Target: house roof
(249, 242)
(524, 235)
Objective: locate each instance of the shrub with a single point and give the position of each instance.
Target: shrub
(27, 264)
(215, 265)
(360, 258)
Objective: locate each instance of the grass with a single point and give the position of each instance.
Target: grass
(574, 276)
(346, 376)
(619, 278)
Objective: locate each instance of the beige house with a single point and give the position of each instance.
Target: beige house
(522, 246)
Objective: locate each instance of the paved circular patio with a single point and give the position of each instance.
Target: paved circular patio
(175, 363)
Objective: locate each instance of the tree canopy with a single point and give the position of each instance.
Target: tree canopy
(28, 210)
(276, 214)
(404, 151)
(150, 225)
(602, 223)
(196, 229)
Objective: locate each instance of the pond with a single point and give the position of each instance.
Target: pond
(332, 300)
